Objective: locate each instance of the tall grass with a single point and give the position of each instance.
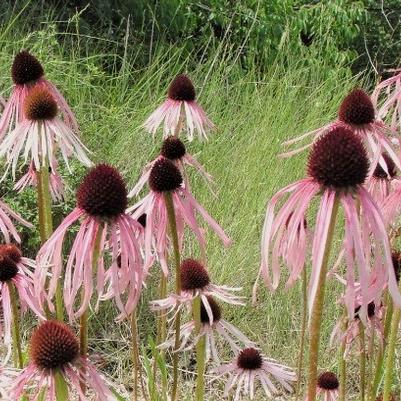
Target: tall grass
(254, 113)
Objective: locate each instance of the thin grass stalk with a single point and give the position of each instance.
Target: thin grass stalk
(317, 309)
(177, 259)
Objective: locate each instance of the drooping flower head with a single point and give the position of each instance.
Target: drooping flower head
(327, 386)
(337, 167)
(54, 349)
(357, 113)
(27, 73)
(180, 110)
(165, 179)
(251, 366)
(104, 226)
(218, 329)
(173, 149)
(195, 282)
(30, 178)
(40, 135)
(16, 273)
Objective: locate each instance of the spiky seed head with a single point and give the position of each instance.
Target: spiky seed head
(53, 345)
(40, 105)
(396, 258)
(181, 88)
(164, 176)
(338, 159)
(328, 381)
(249, 359)
(11, 251)
(193, 275)
(173, 148)
(102, 192)
(26, 68)
(357, 108)
(8, 268)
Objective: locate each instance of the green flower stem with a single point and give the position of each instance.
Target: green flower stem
(389, 370)
(177, 259)
(380, 357)
(317, 310)
(46, 225)
(18, 359)
(342, 363)
(135, 354)
(83, 331)
(362, 361)
(200, 351)
(303, 331)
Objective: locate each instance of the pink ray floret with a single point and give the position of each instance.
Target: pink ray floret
(104, 225)
(337, 168)
(250, 367)
(180, 109)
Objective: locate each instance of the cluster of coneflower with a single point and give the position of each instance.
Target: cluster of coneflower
(354, 163)
(112, 249)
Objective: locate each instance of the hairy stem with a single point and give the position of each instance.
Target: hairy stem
(18, 359)
(317, 310)
(303, 331)
(342, 362)
(177, 259)
(362, 361)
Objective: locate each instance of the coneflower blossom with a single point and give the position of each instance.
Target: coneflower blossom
(337, 167)
(30, 178)
(41, 134)
(101, 204)
(373, 327)
(357, 113)
(180, 109)
(248, 367)
(54, 349)
(27, 73)
(327, 387)
(219, 328)
(195, 282)
(166, 177)
(173, 149)
(391, 106)
(16, 270)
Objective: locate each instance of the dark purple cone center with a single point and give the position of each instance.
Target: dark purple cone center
(193, 275)
(328, 381)
(181, 88)
(249, 359)
(26, 68)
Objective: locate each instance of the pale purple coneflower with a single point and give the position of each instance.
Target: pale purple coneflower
(17, 271)
(165, 177)
(358, 114)
(173, 149)
(337, 168)
(54, 350)
(30, 178)
(27, 73)
(327, 387)
(39, 136)
(195, 282)
(6, 225)
(248, 367)
(180, 108)
(100, 211)
(391, 88)
(219, 328)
